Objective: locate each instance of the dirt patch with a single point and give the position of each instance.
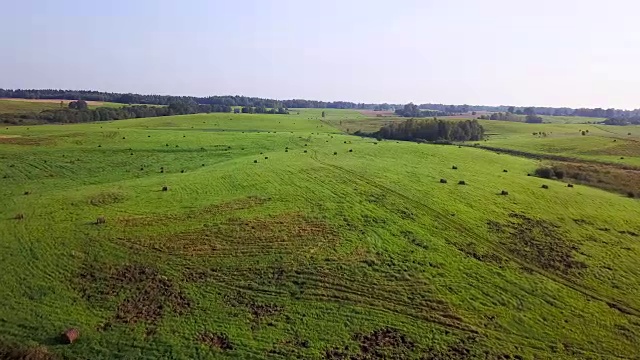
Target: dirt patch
(106, 198)
(284, 233)
(259, 310)
(385, 343)
(470, 249)
(216, 340)
(24, 140)
(145, 295)
(16, 352)
(230, 206)
(539, 242)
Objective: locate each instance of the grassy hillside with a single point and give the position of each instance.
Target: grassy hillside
(280, 237)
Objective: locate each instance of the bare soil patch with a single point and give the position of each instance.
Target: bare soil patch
(16, 352)
(216, 340)
(145, 295)
(285, 233)
(539, 242)
(260, 311)
(385, 343)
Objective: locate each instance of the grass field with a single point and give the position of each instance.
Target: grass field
(17, 106)
(281, 237)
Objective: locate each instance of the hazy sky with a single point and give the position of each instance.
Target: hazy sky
(513, 52)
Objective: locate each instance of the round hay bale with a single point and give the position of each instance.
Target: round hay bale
(165, 188)
(350, 150)
(570, 185)
(182, 171)
(255, 161)
(19, 216)
(504, 192)
(27, 192)
(462, 182)
(101, 220)
(505, 170)
(544, 186)
(69, 336)
(266, 157)
(443, 181)
(305, 151)
(454, 167)
(335, 153)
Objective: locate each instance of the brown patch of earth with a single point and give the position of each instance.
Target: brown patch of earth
(285, 233)
(145, 295)
(216, 340)
(385, 343)
(538, 242)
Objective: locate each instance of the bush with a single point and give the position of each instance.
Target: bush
(631, 194)
(559, 173)
(545, 172)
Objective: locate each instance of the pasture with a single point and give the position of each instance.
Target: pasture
(281, 236)
(18, 106)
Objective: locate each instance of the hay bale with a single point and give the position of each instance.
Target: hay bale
(443, 181)
(504, 192)
(335, 153)
(528, 174)
(544, 186)
(462, 182)
(305, 151)
(570, 185)
(255, 161)
(99, 145)
(101, 220)
(165, 188)
(505, 170)
(286, 150)
(202, 164)
(27, 192)
(454, 167)
(182, 171)
(350, 150)
(266, 158)
(19, 216)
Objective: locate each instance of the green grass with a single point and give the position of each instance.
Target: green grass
(305, 252)
(571, 119)
(16, 106)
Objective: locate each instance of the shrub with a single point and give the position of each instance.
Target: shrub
(545, 186)
(165, 188)
(462, 182)
(443, 181)
(631, 194)
(504, 192)
(559, 173)
(545, 172)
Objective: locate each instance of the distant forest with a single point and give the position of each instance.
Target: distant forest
(236, 100)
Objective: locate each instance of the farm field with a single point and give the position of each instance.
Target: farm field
(35, 105)
(281, 236)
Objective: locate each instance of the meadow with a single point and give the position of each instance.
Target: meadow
(282, 236)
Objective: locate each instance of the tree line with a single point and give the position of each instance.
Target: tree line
(236, 100)
(430, 130)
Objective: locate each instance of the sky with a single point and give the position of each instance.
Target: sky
(491, 52)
